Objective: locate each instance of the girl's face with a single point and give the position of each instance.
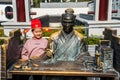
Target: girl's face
(37, 32)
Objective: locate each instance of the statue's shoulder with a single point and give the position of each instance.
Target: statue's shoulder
(55, 35)
(79, 35)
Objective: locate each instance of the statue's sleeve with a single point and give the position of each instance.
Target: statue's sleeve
(83, 45)
(81, 42)
(49, 49)
(81, 51)
(51, 44)
(80, 46)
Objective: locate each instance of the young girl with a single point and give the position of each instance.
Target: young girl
(35, 46)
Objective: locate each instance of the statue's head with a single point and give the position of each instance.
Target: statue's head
(69, 10)
(68, 21)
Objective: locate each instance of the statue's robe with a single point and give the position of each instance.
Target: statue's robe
(66, 47)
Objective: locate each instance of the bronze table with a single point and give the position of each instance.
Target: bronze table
(63, 68)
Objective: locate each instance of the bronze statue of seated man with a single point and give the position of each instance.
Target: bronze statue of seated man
(66, 44)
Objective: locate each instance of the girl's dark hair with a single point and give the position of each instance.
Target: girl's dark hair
(34, 29)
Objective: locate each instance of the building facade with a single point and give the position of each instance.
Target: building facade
(116, 6)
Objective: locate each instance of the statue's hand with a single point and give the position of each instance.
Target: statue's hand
(49, 52)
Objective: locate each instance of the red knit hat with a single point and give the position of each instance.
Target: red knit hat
(36, 23)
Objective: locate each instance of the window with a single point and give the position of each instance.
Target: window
(8, 9)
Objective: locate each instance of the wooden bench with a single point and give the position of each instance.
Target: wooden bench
(10, 52)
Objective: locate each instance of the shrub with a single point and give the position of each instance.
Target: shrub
(1, 41)
(93, 40)
(1, 33)
(48, 33)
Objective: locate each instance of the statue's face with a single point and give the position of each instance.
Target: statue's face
(67, 27)
(68, 22)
